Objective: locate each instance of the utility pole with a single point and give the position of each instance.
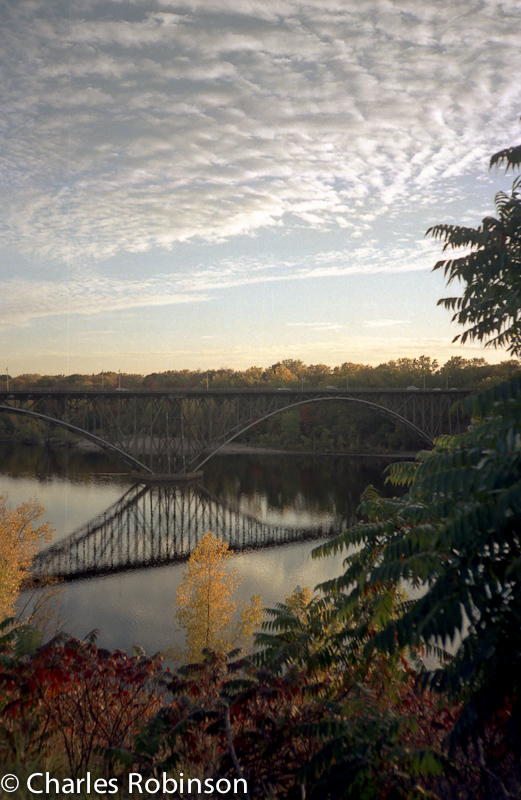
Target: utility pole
(7, 379)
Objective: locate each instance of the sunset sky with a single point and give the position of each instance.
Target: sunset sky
(208, 183)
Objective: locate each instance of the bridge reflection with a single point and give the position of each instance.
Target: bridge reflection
(157, 525)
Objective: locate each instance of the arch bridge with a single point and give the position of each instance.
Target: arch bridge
(174, 432)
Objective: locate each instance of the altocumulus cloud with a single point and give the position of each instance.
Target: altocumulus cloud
(133, 125)
(129, 127)
(86, 292)
(23, 300)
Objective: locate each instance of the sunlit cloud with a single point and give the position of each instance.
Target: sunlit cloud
(25, 301)
(317, 326)
(385, 323)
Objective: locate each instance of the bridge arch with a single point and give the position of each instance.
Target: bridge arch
(385, 412)
(110, 448)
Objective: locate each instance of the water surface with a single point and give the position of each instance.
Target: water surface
(135, 607)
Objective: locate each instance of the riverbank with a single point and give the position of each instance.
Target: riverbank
(246, 449)
(238, 449)
(230, 449)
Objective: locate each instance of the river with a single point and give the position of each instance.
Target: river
(134, 606)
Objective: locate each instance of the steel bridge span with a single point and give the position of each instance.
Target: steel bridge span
(174, 432)
(158, 525)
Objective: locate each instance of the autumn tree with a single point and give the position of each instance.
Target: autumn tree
(20, 534)
(317, 375)
(205, 608)
(280, 375)
(253, 376)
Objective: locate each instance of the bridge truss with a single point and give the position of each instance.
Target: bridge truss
(170, 431)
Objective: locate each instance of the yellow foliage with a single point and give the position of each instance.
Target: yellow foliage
(299, 600)
(204, 606)
(20, 537)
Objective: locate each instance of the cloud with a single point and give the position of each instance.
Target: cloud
(79, 292)
(133, 126)
(317, 326)
(385, 323)
(24, 301)
(76, 291)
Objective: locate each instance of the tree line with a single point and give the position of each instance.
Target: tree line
(422, 372)
(314, 428)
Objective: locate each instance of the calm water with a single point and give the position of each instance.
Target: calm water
(135, 607)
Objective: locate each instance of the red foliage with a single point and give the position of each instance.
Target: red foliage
(78, 697)
(369, 733)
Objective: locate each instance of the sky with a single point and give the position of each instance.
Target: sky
(226, 183)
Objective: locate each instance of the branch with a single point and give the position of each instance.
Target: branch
(512, 156)
(491, 775)
(233, 754)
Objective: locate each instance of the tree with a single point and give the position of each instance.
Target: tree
(491, 301)
(252, 376)
(290, 427)
(317, 374)
(20, 536)
(280, 375)
(70, 703)
(457, 532)
(313, 634)
(425, 365)
(204, 606)
(295, 365)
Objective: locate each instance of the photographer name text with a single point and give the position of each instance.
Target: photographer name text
(134, 783)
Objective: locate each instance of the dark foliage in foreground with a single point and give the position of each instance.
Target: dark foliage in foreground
(295, 722)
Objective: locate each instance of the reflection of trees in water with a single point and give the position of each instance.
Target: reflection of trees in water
(321, 485)
(157, 525)
(43, 462)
